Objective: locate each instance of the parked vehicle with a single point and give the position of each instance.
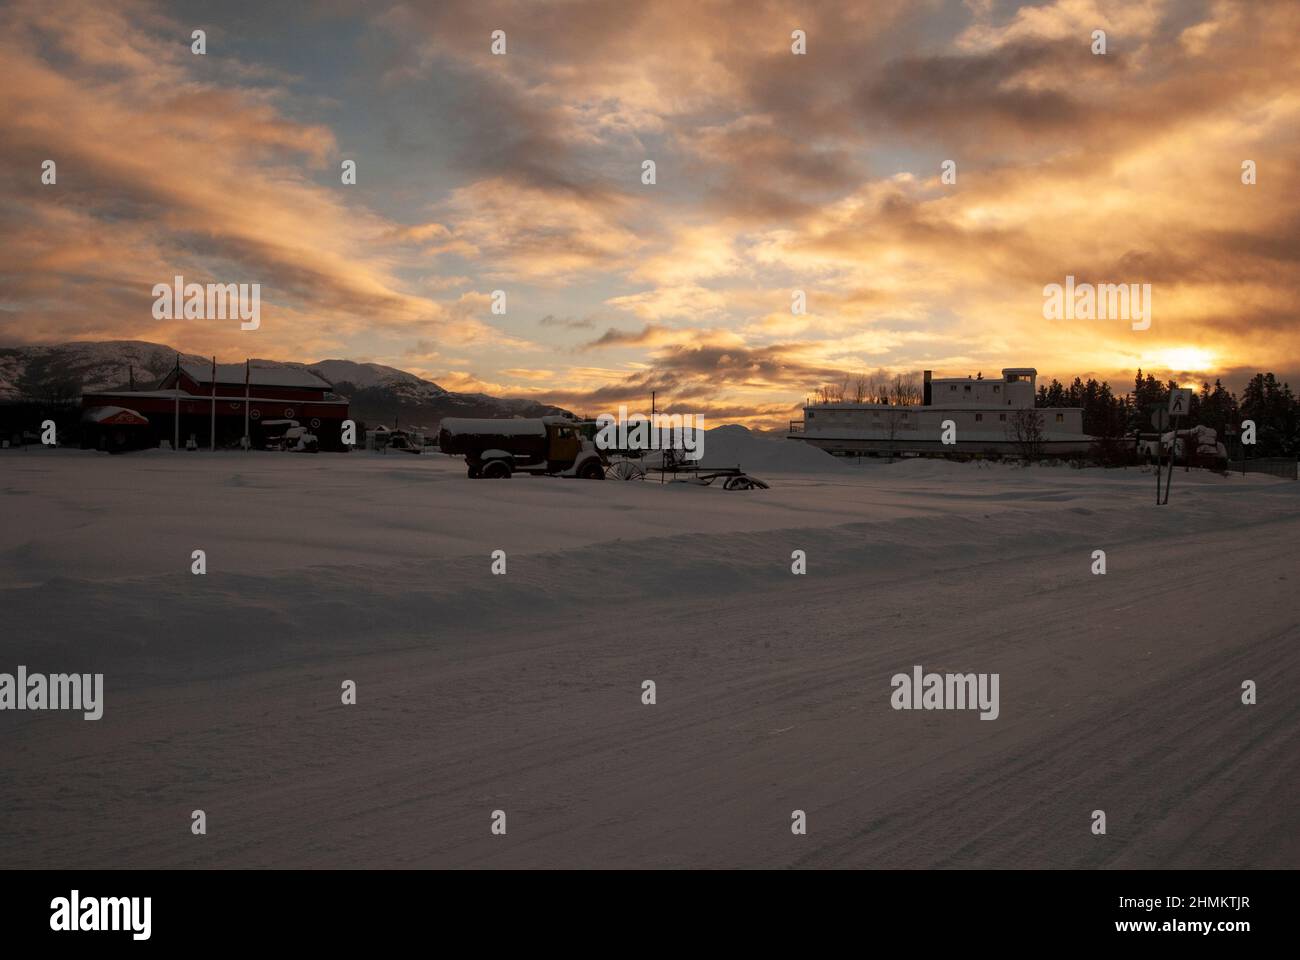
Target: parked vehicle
(406, 442)
(497, 449)
(1197, 445)
(289, 435)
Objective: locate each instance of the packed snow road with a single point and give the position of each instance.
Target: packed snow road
(523, 692)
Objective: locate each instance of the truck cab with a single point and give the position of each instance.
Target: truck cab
(564, 444)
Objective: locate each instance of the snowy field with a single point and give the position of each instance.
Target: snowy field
(522, 692)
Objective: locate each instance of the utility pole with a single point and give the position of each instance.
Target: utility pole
(663, 454)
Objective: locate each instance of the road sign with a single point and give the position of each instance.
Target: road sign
(1160, 419)
(1180, 405)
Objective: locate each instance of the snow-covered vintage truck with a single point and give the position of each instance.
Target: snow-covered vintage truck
(495, 449)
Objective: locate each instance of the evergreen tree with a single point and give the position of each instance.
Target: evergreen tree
(1272, 406)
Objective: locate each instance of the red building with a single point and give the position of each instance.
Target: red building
(272, 393)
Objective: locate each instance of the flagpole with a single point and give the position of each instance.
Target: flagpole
(212, 430)
(248, 443)
(176, 415)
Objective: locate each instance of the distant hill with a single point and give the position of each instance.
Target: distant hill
(378, 394)
(65, 370)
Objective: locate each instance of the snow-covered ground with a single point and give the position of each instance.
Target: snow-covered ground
(522, 692)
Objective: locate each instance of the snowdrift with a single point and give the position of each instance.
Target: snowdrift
(734, 445)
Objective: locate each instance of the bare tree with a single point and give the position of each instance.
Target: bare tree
(861, 388)
(893, 423)
(1025, 429)
(899, 391)
(905, 391)
(834, 392)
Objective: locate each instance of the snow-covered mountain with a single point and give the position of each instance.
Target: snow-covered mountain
(381, 394)
(368, 376)
(66, 369)
(378, 394)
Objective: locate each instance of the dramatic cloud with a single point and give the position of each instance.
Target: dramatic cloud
(778, 177)
(160, 173)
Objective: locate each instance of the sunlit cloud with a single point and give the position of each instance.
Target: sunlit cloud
(776, 173)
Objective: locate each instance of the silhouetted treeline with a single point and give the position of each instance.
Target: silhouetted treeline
(1266, 400)
(1104, 413)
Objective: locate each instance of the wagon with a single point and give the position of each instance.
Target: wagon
(733, 478)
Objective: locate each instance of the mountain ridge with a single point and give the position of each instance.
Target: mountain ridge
(377, 393)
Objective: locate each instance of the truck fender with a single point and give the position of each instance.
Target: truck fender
(584, 459)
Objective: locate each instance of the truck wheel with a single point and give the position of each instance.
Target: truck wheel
(474, 471)
(496, 470)
(591, 470)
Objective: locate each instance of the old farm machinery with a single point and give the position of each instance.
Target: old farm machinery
(673, 466)
(557, 446)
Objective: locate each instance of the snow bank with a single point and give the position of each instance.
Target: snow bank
(733, 444)
(523, 689)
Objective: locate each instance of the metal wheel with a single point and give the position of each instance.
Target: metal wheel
(495, 470)
(624, 470)
(744, 483)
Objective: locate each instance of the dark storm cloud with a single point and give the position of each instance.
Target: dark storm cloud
(976, 92)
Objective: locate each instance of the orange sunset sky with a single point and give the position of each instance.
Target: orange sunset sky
(775, 173)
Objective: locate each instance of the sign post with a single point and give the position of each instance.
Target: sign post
(1180, 404)
(1160, 420)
